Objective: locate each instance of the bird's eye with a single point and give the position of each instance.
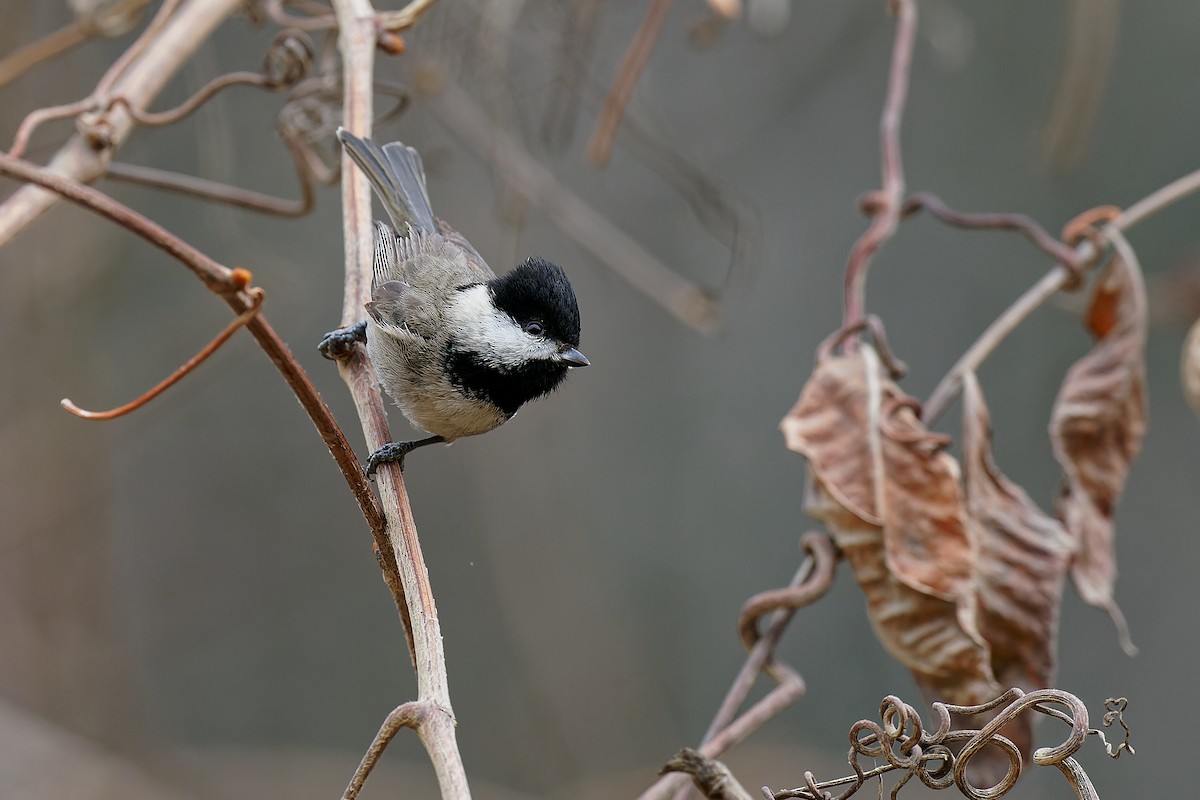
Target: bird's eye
(534, 328)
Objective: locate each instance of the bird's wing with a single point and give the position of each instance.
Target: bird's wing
(398, 309)
(414, 275)
(468, 251)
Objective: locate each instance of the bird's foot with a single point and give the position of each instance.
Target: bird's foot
(340, 343)
(394, 453)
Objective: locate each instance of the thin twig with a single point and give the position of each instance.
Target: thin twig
(214, 190)
(1050, 284)
(632, 65)
(357, 40)
(172, 115)
(215, 277)
(41, 116)
(257, 295)
(408, 715)
(1055, 248)
(886, 203)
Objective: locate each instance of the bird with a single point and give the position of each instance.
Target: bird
(458, 348)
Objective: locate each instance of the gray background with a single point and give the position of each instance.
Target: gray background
(193, 587)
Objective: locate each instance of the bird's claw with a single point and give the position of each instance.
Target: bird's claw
(340, 343)
(394, 453)
(390, 453)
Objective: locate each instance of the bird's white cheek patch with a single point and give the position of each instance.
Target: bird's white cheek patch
(484, 329)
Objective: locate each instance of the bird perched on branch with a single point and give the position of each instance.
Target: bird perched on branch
(458, 348)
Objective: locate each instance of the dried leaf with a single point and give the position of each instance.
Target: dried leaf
(893, 503)
(1023, 557)
(1189, 367)
(921, 631)
(1097, 426)
(924, 527)
(828, 426)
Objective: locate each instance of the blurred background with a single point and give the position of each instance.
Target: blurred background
(189, 605)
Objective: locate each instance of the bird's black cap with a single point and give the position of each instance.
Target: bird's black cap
(539, 290)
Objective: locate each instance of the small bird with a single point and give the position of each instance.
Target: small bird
(457, 348)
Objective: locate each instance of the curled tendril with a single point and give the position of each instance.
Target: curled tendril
(903, 741)
(309, 118)
(288, 59)
(1114, 711)
(874, 325)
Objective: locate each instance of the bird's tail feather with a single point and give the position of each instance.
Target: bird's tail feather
(398, 177)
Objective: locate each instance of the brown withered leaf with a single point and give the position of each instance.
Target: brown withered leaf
(1097, 426)
(1189, 367)
(871, 453)
(828, 426)
(1023, 557)
(892, 500)
(920, 630)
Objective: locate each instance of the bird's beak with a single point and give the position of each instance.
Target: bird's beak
(573, 357)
